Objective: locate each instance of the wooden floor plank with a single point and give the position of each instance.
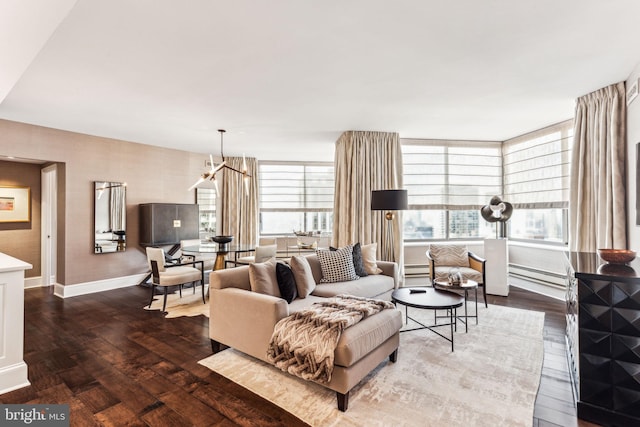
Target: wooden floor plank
(118, 364)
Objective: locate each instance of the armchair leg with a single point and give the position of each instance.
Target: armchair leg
(164, 304)
(484, 295)
(204, 301)
(343, 401)
(153, 291)
(393, 357)
(216, 347)
(180, 290)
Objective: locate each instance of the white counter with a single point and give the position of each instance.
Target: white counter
(13, 369)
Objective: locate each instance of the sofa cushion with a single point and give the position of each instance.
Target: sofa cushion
(369, 257)
(360, 339)
(305, 283)
(358, 265)
(369, 287)
(262, 277)
(286, 282)
(337, 266)
(442, 273)
(451, 255)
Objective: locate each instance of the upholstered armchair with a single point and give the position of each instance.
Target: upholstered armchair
(166, 275)
(444, 257)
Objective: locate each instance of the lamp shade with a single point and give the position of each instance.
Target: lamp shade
(389, 200)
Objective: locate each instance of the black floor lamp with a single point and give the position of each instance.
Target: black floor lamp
(390, 201)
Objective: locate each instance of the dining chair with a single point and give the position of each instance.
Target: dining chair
(267, 248)
(167, 275)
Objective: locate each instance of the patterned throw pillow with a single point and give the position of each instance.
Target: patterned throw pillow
(358, 263)
(337, 266)
(450, 255)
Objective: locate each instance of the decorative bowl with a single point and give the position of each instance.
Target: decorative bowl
(222, 239)
(617, 256)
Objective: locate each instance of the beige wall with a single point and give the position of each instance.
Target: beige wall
(152, 174)
(22, 240)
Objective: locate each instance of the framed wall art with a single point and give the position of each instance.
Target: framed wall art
(15, 204)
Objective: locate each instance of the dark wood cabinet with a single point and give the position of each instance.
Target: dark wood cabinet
(603, 338)
(168, 223)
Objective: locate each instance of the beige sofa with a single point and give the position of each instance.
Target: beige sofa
(245, 320)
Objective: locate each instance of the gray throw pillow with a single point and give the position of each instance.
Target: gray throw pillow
(337, 266)
(262, 278)
(305, 283)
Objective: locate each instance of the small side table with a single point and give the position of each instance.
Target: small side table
(464, 286)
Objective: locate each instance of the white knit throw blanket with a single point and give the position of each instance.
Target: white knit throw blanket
(304, 343)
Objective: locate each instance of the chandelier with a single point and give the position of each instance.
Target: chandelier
(211, 174)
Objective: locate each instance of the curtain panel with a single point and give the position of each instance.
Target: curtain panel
(597, 201)
(117, 208)
(366, 161)
(239, 209)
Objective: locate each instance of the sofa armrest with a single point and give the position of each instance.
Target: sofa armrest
(230, 278)
(244, 320)
(390, 268)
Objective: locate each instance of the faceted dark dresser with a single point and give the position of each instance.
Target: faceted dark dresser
(603, 338)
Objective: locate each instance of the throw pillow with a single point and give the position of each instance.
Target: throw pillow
(357, 260)
(337, 266)
(286, 282)
(262, 278)
(369, 256)
(303, 276)
(450, 255)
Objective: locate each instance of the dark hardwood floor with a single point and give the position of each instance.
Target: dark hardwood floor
(116, 364)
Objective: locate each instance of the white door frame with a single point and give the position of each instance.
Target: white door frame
(49, 203)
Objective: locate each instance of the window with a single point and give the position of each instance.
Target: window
(296, 196)
(447, 183)
(536, 182)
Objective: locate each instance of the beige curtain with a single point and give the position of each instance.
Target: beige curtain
(366, 161)
(597, 207)
(239, 209)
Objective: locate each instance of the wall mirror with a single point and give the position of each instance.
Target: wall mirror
(109, 217)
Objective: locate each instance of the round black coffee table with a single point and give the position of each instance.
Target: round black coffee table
(429, 299)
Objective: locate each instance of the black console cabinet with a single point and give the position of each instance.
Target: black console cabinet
(168, 223)
(603, 336)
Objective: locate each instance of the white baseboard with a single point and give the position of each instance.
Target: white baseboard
(540, 288)
(78, 289)
(13, 377)
(32, 282)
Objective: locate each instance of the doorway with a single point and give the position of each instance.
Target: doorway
(49, 205)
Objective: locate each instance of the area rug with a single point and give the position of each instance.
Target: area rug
(490, 380)
(189, 305)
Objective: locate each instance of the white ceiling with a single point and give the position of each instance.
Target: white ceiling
(287, 77)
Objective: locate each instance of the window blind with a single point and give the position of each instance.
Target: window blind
(296, 187)
(453, 175)
(536, 168)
